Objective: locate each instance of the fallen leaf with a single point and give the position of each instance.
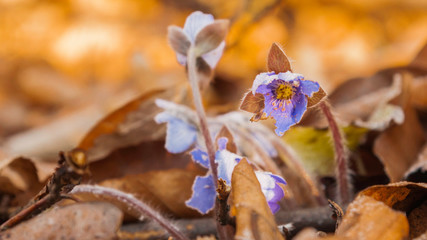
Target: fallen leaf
(94, 220)
(19, 178)
(367, 218)
(418, 171)
(402, 196)
(129, 125)
(382, 117)
(398, 146)
(254, 219)
(418, 221)
(165, 190)
(407, 197)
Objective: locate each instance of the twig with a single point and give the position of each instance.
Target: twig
(134, 204)
(319, 218)
(343, 183)
(72, 166)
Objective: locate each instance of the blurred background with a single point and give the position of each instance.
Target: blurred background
(66, 64)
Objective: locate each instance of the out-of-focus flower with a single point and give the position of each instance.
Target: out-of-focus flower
(204, 192)
(181, 133)
(285, 97)
(194, 23)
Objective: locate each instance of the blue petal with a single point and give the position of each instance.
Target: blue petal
(309, 87)
(262, 79)
(226, 162)
(180, 135)
(195, 22)
(300, 106)
(274, 207)
(200, 157)
(204, 193)
(278, 179)
(222, 143)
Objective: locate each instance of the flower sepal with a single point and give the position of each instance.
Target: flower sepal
(210, 37)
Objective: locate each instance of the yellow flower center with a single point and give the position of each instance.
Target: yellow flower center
(284, 91)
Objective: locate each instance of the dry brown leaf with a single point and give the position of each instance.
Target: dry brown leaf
(225, 132)
(402, 196)
(78, 221)
(398, 146)
(167, 190)
(127, 126)
(144, 157)
(418, 171)
(419, 97)
(20, 178)
(407, 197)
(254, 219)
(367, 218)
(418, 221)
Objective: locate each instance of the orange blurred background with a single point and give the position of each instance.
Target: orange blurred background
(78, 60)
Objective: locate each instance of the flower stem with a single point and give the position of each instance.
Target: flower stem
(223, 231)
(133, 204)
(194, 82)
(343, 182)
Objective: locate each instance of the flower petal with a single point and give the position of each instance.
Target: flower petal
(180, 135)
(309, 87)
(288, 76)
(195, 22)
(203, 198)
(300, 106)
(200, 157)
(270, 188)
(226, 162)
(212, 58)
(262, 79)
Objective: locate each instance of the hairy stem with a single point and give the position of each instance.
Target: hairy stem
(342, 174)
(194, 82)
(134, 204)
(223, 231)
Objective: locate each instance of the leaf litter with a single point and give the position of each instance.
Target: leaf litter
(381, 117)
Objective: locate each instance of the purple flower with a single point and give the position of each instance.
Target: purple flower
(193, 24)
(285, 97)
(204, 192)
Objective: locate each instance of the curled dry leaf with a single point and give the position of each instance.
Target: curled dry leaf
(367, 218)
(19, 178)
(254, 219)
(211, 36)
(407, 197)
(131, 124)
(418, 171)
(382, 117)
(94, 220)
(398, 146)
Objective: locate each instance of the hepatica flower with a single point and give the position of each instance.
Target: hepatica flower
(285, 97)
(204, 192)
(194, 23)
